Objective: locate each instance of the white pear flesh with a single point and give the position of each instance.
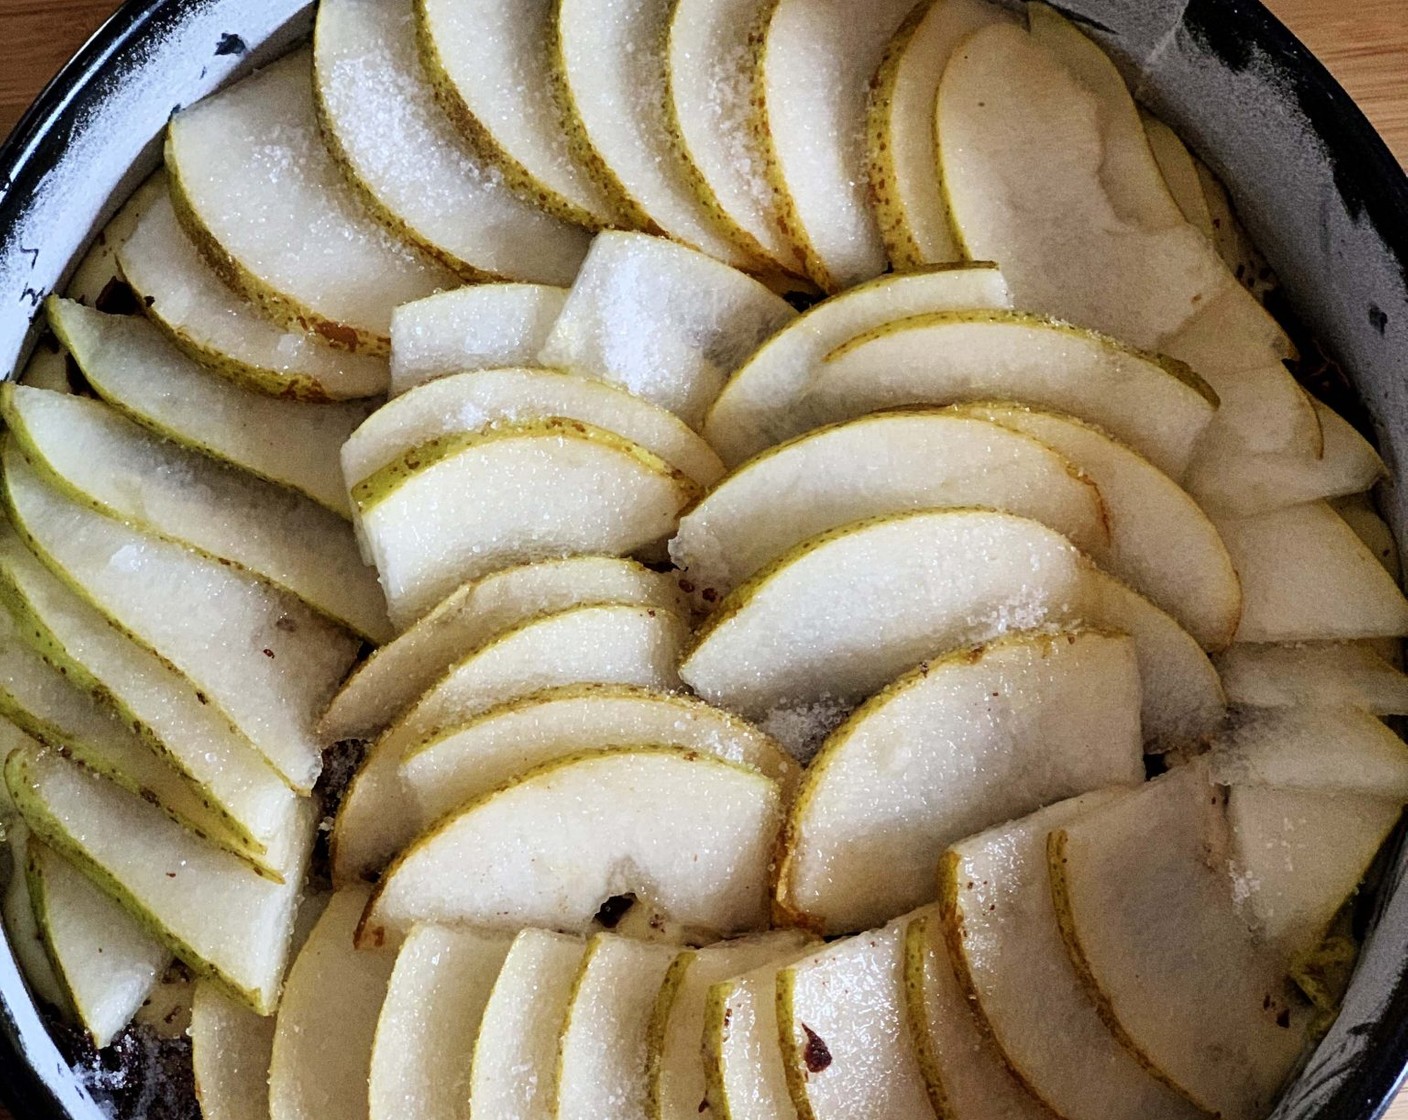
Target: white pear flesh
(322, 1051)
(690, 833)
(1145, 904)
(662, 321)
(220, 329)
(479, 399)
(968, 740)
(480, 326)
(460, 506)
(1331, 674)
(266, 202)
(137, 371)
(1180, 173)
(430, 1018)
(1006, 946)
(1157, 406)
(99, 266)
(1306, 575)
(379, 116)
(206, 906)
(16, 908)
(870, 467)
(230, 1051)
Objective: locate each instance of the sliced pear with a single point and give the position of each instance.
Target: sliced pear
(225, 332)
(1348, 674)
(267, 204)
(1306, 575)
(136, 370)
(762, 403)
(1160, 540)
(1157, 406)
(691, 833)
(902, 152)
(205, 905)
(1179, 172)
(663, 321)
(97, 456)
(1242, 258)
(870, 467)
(514, 1071)
(22, 934)
(482, 326)
(1146, 910)
(99, 266)
(414, 171)
(1362, 515)
(425, 1035)
(967, 740)
(453, 507)
(480, 399)
(1006, 948)
(322, 1050)
(269, 663)
(230, 1051)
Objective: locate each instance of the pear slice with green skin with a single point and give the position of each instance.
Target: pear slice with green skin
(869, 467)
(451, 509)
(1006, 949)
(270, 663)
(267, 205)
(425, 1035)
(1158, 406)
(691, 833)
(1027, 720)
(1179, 171)
(1327, 674)
(411, 167)
(588, 643)
(481, 326)
(230, 1051)
(755, 409)
(513, 1074)
(662, 321)
(97, 456)
(224, 332)
(209, 908)
(480, 399)
(16, 908)
(476, 757)
(137, 371)
(100, 265)
(106, 961)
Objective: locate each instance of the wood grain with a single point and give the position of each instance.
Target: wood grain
(1364, 44)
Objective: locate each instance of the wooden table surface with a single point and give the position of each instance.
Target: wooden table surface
(1363, 42)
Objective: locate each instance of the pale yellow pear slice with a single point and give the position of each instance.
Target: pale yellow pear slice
(265, 201)
(481, 326)
(480, 399)
(763, 402)
(414, 170)
(230, 1051)
(1361, 514)
(1005, 943)
(99, 266)
(1159, 407)
(452, 508)
(1349, 674)
(1230, 238)
(968, 740)
(873, 466)
(226, 332)
(1180, 173)
(690, 833)
(425, 1035)
(663, 321)
(16, 908)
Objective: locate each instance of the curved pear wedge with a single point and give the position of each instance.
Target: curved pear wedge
(599, 643)
(16, 908)
(132, 367)
(97, 456)
(210, 323)
(662, 321)
(1157, 406)
(874, 466)
(1149, 922)
(417, 175)
(106, 962)
(452, 508)
(763, 402)
(964, 742)
(230, 1051)
(1325, 674)
(480, 399)
(389, 681)
(209, 908)
(480, 326)
(690, 833)
(1006, 948)
(425, 1035)
(1180, 173)
(100, 265)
